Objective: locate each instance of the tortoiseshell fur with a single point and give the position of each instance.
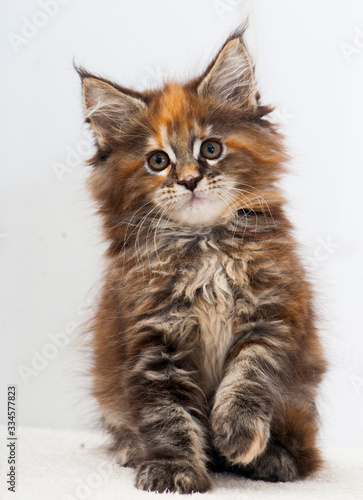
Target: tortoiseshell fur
(206, 354)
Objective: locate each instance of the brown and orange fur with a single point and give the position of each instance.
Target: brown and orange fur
(206, 354)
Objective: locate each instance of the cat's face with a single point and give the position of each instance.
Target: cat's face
(185, 160)
(193, 154)
(188, 160)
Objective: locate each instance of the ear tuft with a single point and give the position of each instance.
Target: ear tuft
(108, 108)
(230, 78)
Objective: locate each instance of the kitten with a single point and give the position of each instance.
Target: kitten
(206, 353)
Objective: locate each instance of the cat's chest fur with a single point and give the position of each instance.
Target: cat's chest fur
(206, 273)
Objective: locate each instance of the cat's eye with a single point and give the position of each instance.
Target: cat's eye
(211, 150)
(158, 160)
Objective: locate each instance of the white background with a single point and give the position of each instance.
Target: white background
(310, 65)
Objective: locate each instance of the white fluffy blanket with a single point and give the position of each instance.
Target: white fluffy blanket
(70, 465)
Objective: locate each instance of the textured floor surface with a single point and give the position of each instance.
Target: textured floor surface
(68, 465)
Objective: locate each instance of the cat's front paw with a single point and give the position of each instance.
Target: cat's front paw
(240, 435)
(168, 475)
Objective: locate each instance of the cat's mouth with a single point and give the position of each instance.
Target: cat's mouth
(197, 208)
(195, 199)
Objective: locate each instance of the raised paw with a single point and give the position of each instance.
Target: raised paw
(166, 475)
(239, 435)
(275, 465)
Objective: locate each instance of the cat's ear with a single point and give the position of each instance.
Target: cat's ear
(108, 108)
(230, 78)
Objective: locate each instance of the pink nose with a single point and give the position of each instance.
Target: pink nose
(190, 182)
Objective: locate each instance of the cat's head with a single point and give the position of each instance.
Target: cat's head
(193, 153)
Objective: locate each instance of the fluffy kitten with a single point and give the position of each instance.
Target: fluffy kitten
(205, 348)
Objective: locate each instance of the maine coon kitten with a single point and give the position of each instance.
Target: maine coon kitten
(205, 348)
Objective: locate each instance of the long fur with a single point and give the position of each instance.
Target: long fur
(206, 352)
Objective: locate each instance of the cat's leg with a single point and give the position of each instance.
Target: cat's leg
(244, 405)
(254, 427)
(173, 458)
(167, 408)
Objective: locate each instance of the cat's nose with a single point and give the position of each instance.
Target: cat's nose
(190, 182)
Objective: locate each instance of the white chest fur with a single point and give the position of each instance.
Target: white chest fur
(205, 283)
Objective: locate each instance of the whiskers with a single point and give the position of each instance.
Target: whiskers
(261, 201)
(144, 242)
(141, 245)
(233, 196)
(156, 229)
(143, 234)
